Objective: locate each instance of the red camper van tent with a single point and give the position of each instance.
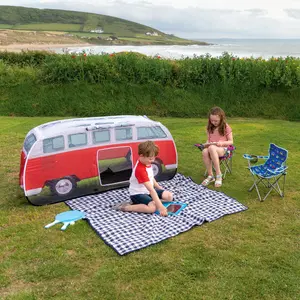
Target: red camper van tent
(64, 159)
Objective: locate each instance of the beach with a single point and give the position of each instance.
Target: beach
(18, 40)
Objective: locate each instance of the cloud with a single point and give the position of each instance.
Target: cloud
(256, 12)
(193, 21)
(293, 13)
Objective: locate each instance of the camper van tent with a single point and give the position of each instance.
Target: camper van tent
(65, 159)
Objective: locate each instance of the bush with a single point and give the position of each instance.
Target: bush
(64, 85)
(13, 75)
(135, 68)
(25, 58)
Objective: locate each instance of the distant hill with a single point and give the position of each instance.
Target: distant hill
(20, 16)
(95, 27)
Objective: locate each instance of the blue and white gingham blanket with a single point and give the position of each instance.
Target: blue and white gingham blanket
(126, 232)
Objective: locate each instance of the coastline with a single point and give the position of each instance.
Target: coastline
(243, 49)
(19, 47)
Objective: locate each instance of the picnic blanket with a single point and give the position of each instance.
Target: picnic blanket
(126, 231)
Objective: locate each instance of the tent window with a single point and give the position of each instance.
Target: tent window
(101, 136)
(29, 141)
(53, 144)
(123, 134)
(77, 140)
(150, 133)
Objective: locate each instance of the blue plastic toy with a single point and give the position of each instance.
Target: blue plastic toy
(67, 217)
(173, 208)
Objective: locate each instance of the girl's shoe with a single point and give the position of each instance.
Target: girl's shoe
(218, 182)
(208, 180)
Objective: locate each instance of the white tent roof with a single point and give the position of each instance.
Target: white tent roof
(56, 127)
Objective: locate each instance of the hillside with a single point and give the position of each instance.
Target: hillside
(83, 27)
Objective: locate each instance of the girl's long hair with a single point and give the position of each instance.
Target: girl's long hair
(217, 111)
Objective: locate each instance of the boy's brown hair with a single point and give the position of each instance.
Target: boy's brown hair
(148, 149)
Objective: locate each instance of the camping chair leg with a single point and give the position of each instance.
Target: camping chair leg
(258, 193)
(278, 190)
(226, 168)
(283, 185)
(272, 186)
(223, 165)
(226, 165)
(276, 186)
(255, 183)
(268, 184)
(267, 195)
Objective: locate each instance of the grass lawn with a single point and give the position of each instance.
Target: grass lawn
(49, 27)
(249, 255)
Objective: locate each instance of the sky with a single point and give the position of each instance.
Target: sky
(195, 19)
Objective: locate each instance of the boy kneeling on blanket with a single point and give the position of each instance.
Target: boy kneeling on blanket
(145, 192)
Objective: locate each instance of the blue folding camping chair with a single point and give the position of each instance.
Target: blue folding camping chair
(270, 172)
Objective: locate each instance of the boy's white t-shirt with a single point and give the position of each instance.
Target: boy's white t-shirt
(140, 174)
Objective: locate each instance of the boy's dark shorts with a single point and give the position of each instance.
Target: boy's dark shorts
(145, 198)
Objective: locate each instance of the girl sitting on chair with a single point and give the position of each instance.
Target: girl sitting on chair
(220, 133)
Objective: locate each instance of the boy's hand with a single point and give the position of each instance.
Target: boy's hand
(163, 211)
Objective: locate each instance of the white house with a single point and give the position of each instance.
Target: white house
(99, 30)
(154, 33)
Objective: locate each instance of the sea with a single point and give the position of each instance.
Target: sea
(264, 48)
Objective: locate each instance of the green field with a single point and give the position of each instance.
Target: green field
(5, 26)
(249, 255)
(89, 34)
(49, 27)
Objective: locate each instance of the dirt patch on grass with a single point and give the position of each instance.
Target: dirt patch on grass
(17, 40)
(8, 37)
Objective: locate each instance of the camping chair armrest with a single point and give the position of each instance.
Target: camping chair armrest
(278, 170)
(251, 156)
(252, 159)
(262, 156)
